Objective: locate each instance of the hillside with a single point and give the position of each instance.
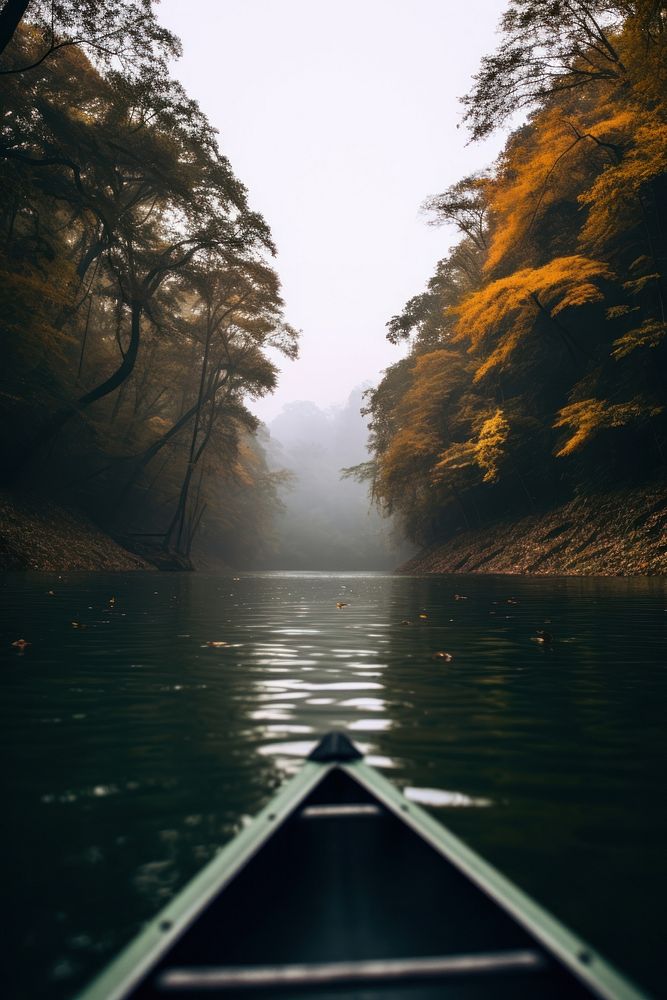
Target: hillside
(623, 533)
(40, 535)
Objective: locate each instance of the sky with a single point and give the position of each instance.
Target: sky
(340, 117)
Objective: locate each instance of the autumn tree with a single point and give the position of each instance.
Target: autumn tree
(549, 49)
(138, 298)
(552, 302)
(151, 200)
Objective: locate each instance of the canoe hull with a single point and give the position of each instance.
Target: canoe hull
(342, 888)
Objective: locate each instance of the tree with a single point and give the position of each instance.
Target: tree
(139, 300)
(506, 312)
(552, 48)
(150, 198)
(239, 318)
(556, 288)
(464, 205)
(588, 417)
(115, 34)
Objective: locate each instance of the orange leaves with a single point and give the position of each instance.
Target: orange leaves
(543, 166)
(613, 199)
(422, 419)
(490, 446)
(559, 275)
(436, 374)
(505, 311)
(587, 417)
(650, 334)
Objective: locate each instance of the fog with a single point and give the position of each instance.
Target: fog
(328, 522)
(340, 118)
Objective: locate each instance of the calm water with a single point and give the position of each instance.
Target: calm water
(132, 749)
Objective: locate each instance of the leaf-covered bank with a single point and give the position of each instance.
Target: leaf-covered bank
(41, 535)
(623, 533)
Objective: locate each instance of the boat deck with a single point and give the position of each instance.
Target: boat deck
(343, 880)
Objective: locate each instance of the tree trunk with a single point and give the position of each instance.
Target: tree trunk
(55, 424)
(147, 457)
(10, 18)
(194, 453)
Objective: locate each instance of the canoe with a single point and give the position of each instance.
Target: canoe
(341, 888)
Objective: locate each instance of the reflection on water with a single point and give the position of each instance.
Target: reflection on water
(142, 741)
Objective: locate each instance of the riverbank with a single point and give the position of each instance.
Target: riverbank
(36, 534)
(614, 534)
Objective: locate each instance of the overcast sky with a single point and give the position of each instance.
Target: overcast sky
(340, 117)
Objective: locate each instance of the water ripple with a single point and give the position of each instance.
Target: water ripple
(140, 749)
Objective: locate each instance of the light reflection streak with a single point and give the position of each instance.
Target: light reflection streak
(327, 682)
(441, 798)
(368, 704)
(297, 631)
(370, 725)
(277, 729)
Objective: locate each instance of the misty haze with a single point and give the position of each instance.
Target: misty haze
(328, 521)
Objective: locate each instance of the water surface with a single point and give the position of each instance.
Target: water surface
(132, 749)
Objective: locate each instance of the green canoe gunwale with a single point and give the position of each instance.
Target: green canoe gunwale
(126, 971)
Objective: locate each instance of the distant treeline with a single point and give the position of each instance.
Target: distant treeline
(537, 353)
(136, 301)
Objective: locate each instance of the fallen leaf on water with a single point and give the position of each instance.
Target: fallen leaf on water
(446, 657)
(423, 616)
(341, 604)
(216, 643)
(21, 644)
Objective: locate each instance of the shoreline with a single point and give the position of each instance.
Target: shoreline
(621, 533)
(39, 535)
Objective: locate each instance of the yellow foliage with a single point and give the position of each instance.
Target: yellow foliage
(589, 416)
(539, 168)
(642, 46)
(456, 458)
(421, 434)
(615, 192)
(490, 446)
(506, 309)
(649, 334)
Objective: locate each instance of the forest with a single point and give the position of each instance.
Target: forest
(140, 311)
(139, 304)
(536, 363)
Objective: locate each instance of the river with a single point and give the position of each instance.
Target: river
(133, 749)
